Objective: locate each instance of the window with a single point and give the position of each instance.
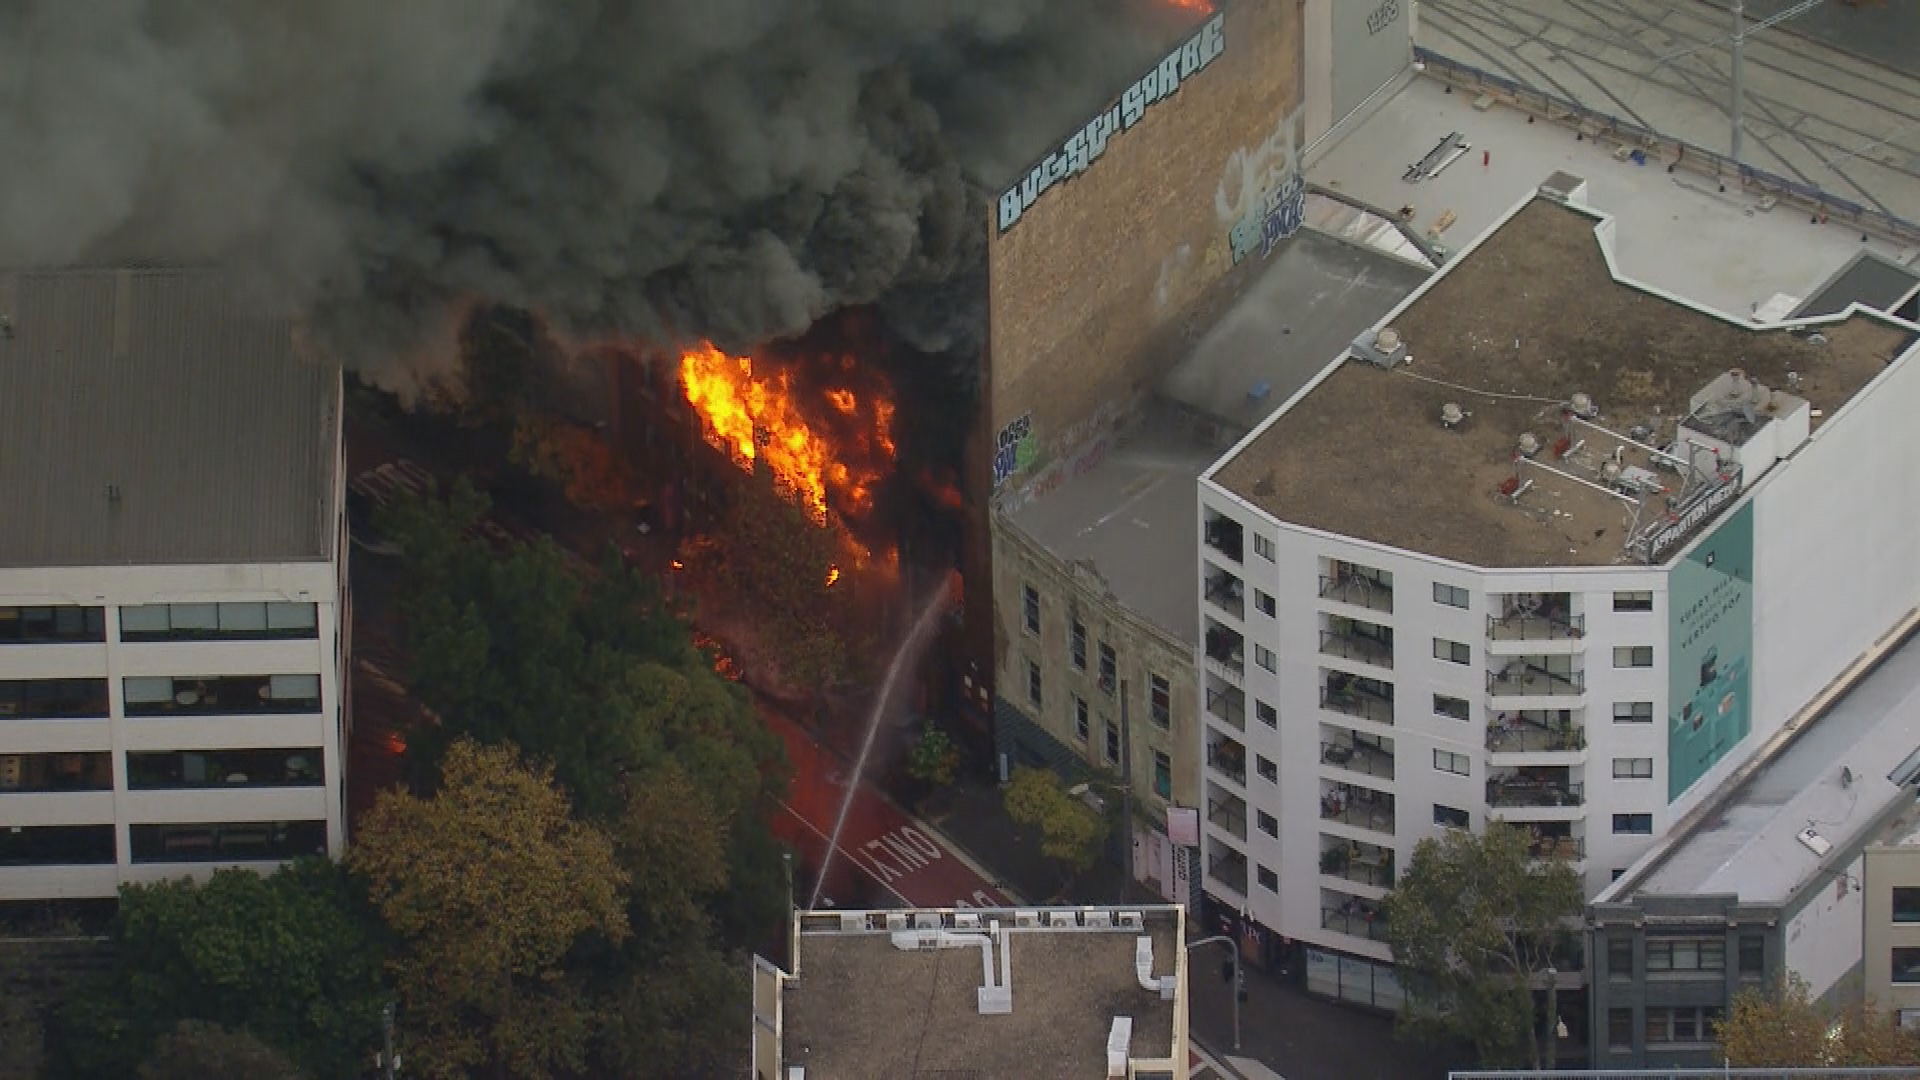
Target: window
(229, 841)
(1633, 712)
(1627, 656)
(1449, 818)
(1619, 1029)
(1162, 775)
(1263, 603)
(1450, 595)
(33, 699)
(1449, 762)
(1264, 657)
(1451, 707)
(1687, 954)
(1633, 768)
(1269, 880)
(296, 767)
(1080, 717)
(1268, 823)
(1033, 684)
(1268, 715)
(1109, 668)
(1906, 965)
(49, 625)
(198, 622)
(56, 845)
(220, 695)
(1077, 644)
(1113, 743)
(56, 772)
(1753, 954)
(1453, 652)
(1620, 958)
(1030, 607)
(1263, 547)
(1633, 824)
(1633, 601)
(1159, 700)
(1906, 904)
(1682, 1023)
(1268, 770)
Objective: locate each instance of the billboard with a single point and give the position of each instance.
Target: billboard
(1710, 644)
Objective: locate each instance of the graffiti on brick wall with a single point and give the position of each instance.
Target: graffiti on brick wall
(1261, 198)
(1084, 147)
(1013, 449)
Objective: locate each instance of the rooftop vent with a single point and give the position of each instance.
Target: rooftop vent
(1583, 407)
(1529, 446)
(1382, 348)
(1452, 416)
(1816, 843)
(1119, 1046)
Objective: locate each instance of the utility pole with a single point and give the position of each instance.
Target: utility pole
(1239, 977)
(1739, 82)
(389, 1061)
(1553, 1017)
(1126, 794)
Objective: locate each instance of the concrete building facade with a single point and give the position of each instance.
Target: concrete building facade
(172, 585)
(1890, 952)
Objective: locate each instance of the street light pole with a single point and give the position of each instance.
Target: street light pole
(388, 1061)
(1553, 1017)
(1239, 978)
(1739, 82)
(1126, 794)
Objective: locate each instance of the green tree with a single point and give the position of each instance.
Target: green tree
(1784, 1028)
(489, 884)
(1475, 923)
(195, 1051)
(1070, 830)
(293, 958)
(934, 758)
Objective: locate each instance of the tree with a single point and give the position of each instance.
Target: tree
(1785, 1028)
(489, 884)
(576, 460)
(1070, 830)
(293, 958)
(934, 758)
(194, 1051)
(1475, 923)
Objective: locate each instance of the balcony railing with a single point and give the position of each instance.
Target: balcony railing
(1227, 817)
(1228, 595)
(1564, 848)
(1230, 871)
(1361, 703)
(1374, 812)
(1358, 923)
(1350, 646)
(1532, 681)
(1361, 863)
(1513, 792)
(1358, 757)
(1225, 537)
(1524, 738)
(1358, 590)
(1522, 626)
(1230, 764)
(1228, 705)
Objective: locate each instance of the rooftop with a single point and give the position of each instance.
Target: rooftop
(1511, 330)
(150, 416)
(1132, 514)
(1833, 779)
(1869, 279)
(862, 1008)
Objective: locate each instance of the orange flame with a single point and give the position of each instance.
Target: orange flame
(758, 419)
(833, 575)
(1200, 7)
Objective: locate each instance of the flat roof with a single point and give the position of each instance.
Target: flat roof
(1870, 280)
(1750, 847)
(862, 1009)
(154, 416)
(1509, 331)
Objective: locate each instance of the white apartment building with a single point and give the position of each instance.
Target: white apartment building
(172, 584)
(1546, 545)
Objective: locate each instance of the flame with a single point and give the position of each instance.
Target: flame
(1198, 7)
(759, 419)
(678, 565)
(833, 575)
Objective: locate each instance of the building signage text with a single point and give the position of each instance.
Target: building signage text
(1676, 530)
(1086, 145)
(1383, 16)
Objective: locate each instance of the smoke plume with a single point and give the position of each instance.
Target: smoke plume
(723, 168)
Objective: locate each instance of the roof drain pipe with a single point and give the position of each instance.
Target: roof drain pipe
(995, 997)
(1143, 969)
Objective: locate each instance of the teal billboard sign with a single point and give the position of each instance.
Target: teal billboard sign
(1710, 641)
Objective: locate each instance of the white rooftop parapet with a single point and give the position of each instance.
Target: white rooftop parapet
(1119, 1046)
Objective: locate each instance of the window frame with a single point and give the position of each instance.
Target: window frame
(1030, 609)
(1109, 674)
(1159, 700)
(1266, 658)
(1631, 819)
(1633, 715)
(1452, 596)
(1267, 714)
(1268, 769)
(1263, 546)
(1451, 758)
(1264, 603)
(1266, 823)
(1630, 600)
(1457, 652)
(1638, 768)
(1036, 696)
(1443, 817)
(1266, 878)
(1077, 645)
(1082, 719)
(1913, 896)
(1466, 707)
(1633, 654)
(1110, 745)
(1913, 969)
(1162, 774)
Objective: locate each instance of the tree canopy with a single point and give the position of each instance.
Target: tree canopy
(195, 1051)
(1070, 830)
(1475, 923)
(1784, 1028)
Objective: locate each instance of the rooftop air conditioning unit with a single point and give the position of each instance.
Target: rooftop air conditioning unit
(1382, 348)
(1452, 416)
(1529, 446)
(1583, 407)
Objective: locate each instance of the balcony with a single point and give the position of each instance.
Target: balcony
(1359, 586)
(1351, 695)
(1226, 592)
(1352, 916)
(1352, 639)
(1535, 731)
(1229, 868)
(1226, 703)
(1227, 757)
(1536, 617)
(1224, 535)
(1226, 651)
(1534, 787)
(1361, 807)
(1356, 861)
(1536, 676)
(1371, 755)
(1546, 842)
(1227, 811)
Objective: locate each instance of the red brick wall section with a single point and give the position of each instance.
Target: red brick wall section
(1093, 280)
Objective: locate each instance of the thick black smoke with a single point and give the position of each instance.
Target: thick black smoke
(663, 168)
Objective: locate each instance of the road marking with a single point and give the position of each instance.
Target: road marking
(847, 855)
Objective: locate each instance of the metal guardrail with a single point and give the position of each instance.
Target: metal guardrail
(1359, 591)
(1689, 156)
(1355, 703)
(1357, 758)
(1518, 626)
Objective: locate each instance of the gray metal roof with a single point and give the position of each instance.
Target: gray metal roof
(153, 416)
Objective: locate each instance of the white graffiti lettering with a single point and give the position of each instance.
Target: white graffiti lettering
(1085, 146)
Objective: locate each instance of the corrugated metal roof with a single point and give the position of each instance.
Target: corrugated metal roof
(152, 416)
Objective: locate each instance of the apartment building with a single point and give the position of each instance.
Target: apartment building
(172, 583)
(1547, 544)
